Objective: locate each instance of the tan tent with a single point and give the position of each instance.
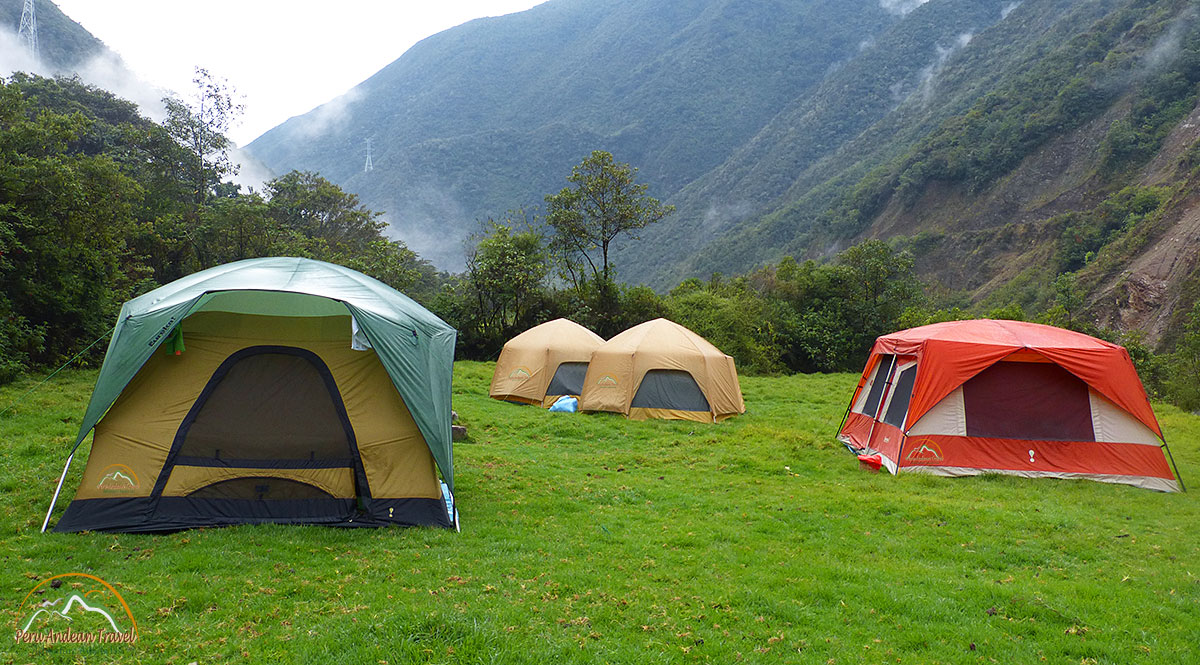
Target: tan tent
(660, 369)
(544, 363)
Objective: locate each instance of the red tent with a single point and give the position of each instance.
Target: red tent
(969, 397)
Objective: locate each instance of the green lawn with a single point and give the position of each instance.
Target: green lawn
(591, 539)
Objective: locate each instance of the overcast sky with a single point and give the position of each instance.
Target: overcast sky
(284, 56)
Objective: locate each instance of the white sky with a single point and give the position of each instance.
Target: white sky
(285, 57)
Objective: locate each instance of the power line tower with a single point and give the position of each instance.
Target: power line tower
(27, 33)
(368, 167)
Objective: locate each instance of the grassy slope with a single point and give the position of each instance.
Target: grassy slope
(596, 539)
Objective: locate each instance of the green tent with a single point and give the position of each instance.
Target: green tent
(275, 389)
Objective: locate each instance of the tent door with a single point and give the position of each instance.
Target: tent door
(268, 423)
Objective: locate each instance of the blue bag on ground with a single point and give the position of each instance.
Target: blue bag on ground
(565, 404)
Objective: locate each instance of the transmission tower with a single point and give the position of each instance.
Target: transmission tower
(368, 167)
(28, 31)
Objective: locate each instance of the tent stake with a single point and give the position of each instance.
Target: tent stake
(57, 490)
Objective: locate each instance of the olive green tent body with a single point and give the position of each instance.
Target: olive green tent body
(342, 331)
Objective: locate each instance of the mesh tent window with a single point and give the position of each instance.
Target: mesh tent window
(878, 383)
(1023, 400)
(568, 379)
(670, 389)
(897, 407)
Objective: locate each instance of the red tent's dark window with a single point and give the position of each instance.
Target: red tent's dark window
(883, 371)
(1033, 401)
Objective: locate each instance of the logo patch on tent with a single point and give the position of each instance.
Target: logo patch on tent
(75, 608)
(606, 380)
(520, 373)
(117, 479)
(925, 451)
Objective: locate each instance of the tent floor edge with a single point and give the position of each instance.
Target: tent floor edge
(135, 514)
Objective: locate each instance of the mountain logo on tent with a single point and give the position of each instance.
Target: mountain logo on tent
(118, 478)
(89, 611)
(925, 451)
(607, 380)
(520, 373)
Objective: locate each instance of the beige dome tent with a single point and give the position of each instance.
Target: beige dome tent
(660, 369)
(544, 363)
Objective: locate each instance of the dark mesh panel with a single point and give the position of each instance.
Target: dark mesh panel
(898, 407)
(568, 379)
(882, 370)
(670, 389)
(1039, 401)
(260, 489)
(269, 406)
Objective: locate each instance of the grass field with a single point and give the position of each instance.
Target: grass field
(590, 539)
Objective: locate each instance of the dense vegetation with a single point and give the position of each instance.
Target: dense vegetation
(98, 204)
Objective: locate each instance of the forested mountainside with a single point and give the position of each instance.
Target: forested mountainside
(1002, 142)
(491, 115)
(1079, 158)
(65, 45)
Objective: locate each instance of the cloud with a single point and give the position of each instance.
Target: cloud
(326, 117)
(901, 7)
(941, 55)
(1166, 47)
(1008, 9)
(14, 57)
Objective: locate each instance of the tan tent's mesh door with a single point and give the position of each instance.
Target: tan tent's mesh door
(568, 379)
(669, 389)
(265, 408)
(1024, 400)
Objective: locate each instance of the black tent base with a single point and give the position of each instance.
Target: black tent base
(141, 515)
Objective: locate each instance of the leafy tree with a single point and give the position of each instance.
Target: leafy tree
(502, 291)
(604, 202)
(200, 124)
(64, 219)
(320, 210)
(1183, 383)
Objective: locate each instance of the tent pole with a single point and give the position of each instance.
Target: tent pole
(1173, 465)
(57, 490)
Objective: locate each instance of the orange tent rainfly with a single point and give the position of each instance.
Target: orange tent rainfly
(970, 397)
(544, 363)
(659, 369)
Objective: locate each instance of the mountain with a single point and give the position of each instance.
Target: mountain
(492, 115)
(1002, 142)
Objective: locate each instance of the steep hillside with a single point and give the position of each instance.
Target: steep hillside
(1004, 142)
(491, 115)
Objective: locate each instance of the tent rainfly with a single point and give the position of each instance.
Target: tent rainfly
(660, 369)
(969, 397)
(269, 390)
(544, 363)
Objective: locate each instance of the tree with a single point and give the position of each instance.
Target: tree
(322, 211)
(603, 203)
(199, 124)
